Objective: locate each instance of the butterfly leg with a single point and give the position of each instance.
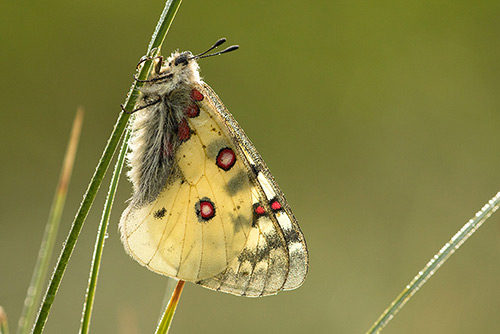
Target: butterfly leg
(142, 107)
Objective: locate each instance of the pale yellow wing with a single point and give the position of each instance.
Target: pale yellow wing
(275, 256)
(171, 235)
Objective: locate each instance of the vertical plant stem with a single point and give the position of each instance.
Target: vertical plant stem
(169, 290)
(166, 320)
(77, 225)
(162, 27)
(4, 325)
(436, 261)
(101, 236)
(50, 234)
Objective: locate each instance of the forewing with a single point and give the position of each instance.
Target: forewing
(275, 255)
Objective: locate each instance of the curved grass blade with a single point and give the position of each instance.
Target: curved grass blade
(162, 27)
(50, 234)
(101, 237)
(166, 320)
(4, 326)
(436, 261)
(169, 290)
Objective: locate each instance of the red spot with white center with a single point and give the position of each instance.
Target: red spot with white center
(207, 210)
(196, 95)
(183, 131)
(192, 110)
(226, 158)
(260, 210)
(275, 205)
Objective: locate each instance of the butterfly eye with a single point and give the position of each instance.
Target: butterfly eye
(182, 59)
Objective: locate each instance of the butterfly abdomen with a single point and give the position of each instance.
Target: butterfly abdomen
(158, 131)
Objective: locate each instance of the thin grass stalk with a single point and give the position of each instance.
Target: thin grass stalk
(51, 228)
(169, 290)
(101, 237)
(166, 320)
(4, 325)
(162, 27)
(435, 263)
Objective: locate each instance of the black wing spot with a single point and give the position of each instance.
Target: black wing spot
(237, 183)
(274, 241)
(255, 170)
(240, 222)
(159, 214)
(246, 255)
(291, 235)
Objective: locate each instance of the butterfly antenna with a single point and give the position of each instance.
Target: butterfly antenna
(219, 42)
(229, 49)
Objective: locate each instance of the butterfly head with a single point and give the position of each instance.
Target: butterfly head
(183, 67)
(182, 59)
(180, 69)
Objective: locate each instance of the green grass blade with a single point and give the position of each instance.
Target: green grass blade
(77, 225)
(169, 290)
(50, 234)
(166, 320)
(436, 261)
(101, 236)
(161, 30)
(160, 33)
(162, 27)
(4, 326)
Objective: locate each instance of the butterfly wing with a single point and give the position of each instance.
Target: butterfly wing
(275, 256)
(202, 218)
(221, 220)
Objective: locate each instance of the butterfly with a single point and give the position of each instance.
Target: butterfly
(205, 207)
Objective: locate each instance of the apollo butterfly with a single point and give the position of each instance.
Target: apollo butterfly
(205, 207)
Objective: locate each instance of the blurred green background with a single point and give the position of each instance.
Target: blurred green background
(379, 119)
